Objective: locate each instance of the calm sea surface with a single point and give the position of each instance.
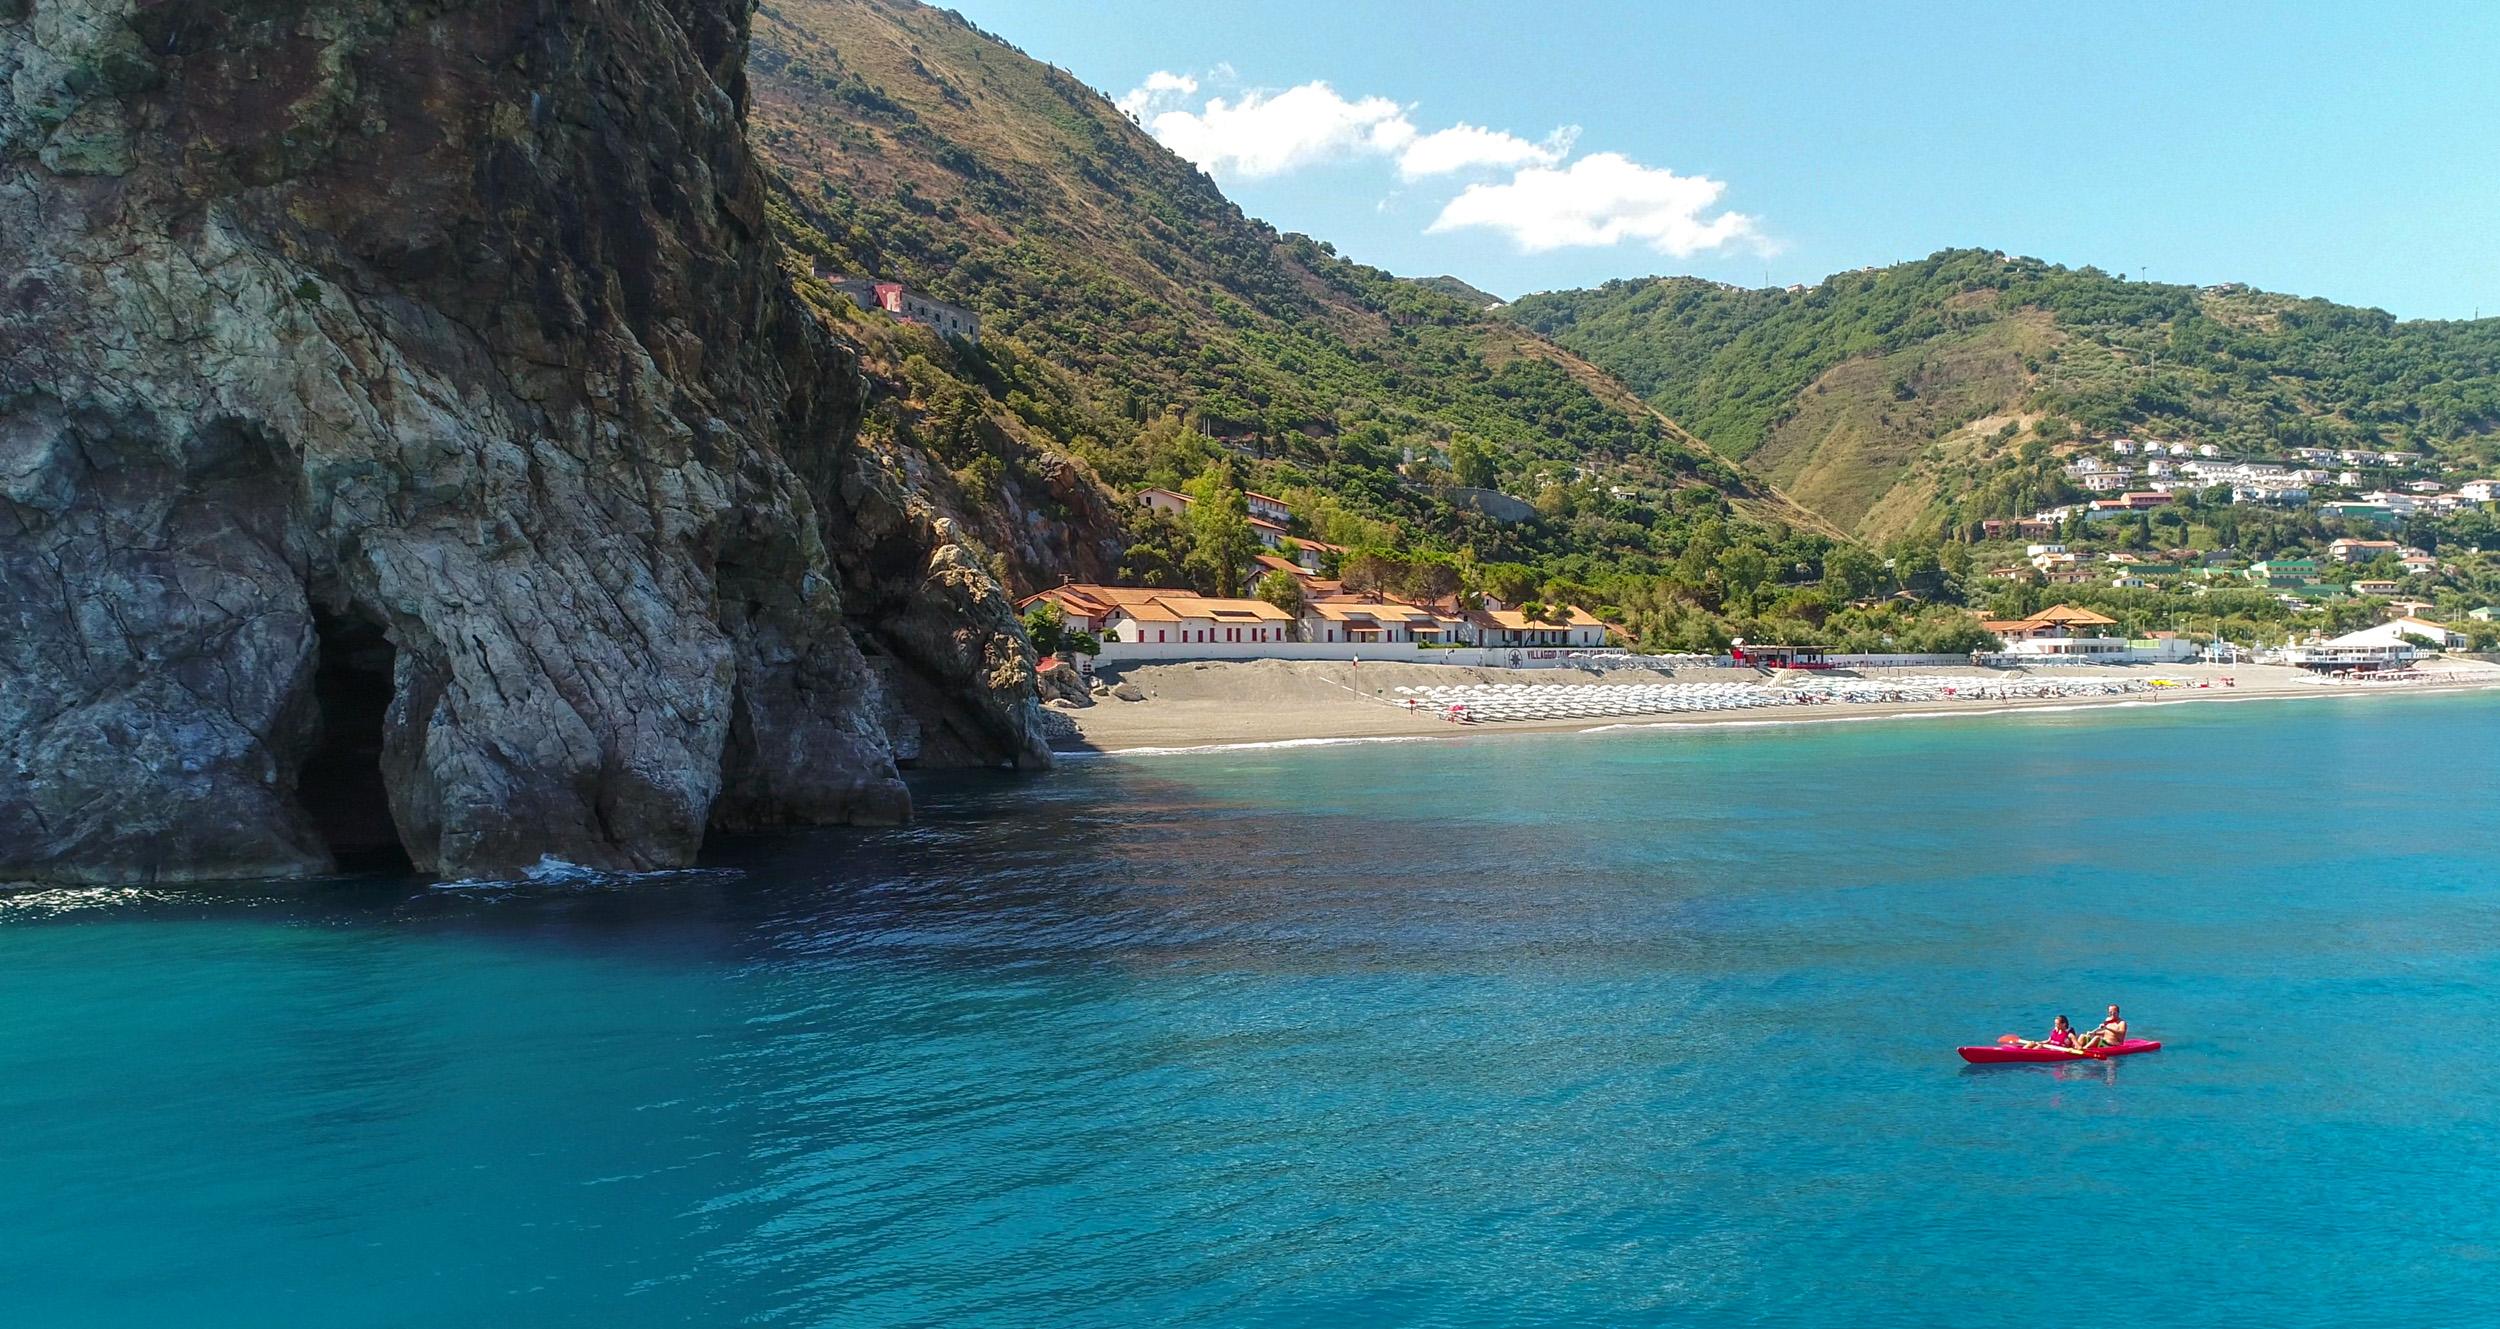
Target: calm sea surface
(1640, 1028)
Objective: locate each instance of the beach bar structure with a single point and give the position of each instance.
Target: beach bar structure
(1779, 657)
(2065, 632)
(2330, 658)
(2395, 645)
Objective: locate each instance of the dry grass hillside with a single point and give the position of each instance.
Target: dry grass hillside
(1871, 438)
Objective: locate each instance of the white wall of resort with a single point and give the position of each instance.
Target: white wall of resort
(1503, 657)
(1495, 657)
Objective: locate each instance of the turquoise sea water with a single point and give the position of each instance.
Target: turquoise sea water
(1642, 1028)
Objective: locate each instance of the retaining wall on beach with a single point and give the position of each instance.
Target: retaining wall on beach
(1487, 657)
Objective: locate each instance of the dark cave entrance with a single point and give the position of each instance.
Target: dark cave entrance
(341, 786)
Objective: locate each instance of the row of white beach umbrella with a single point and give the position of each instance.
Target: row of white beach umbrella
(1480, 702)
(1586, 701)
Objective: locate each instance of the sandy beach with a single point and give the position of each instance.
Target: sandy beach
(1232, 703)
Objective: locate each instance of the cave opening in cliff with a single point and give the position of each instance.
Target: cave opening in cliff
(341, 786)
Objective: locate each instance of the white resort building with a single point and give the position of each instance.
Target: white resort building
(1179, 616)
(1566, 626)
(1363, 621)
(1165, 616)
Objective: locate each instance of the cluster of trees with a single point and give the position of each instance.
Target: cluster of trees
(1047, 625)
(1207, 549)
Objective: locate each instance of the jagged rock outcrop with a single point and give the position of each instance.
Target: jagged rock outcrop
(402, 409)
(1060, 684)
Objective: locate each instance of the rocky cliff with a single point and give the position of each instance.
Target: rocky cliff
(407, 438)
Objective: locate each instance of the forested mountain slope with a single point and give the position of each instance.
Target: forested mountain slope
(1881, 397)
(1124, 297)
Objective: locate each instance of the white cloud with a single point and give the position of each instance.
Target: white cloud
(1263, 134)
(1551, 201)
(1464, 147)
(1604, 198)
(1160, 88)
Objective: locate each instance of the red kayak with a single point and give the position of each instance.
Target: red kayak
(1989, 1056)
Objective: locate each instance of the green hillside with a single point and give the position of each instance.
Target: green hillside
(1880, 398)
(1136, 320)
(1473, 296)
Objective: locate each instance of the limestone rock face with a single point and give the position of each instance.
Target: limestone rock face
(406, 435)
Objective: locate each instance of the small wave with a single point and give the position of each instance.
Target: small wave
(33, 900)
(1925, 713)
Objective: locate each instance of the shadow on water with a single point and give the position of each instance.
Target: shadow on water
(2101, 1072)
(1121, 866)
(1007, 847)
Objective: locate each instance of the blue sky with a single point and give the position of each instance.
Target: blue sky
(2345, 150)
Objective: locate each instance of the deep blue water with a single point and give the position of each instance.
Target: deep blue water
(1631, 1029)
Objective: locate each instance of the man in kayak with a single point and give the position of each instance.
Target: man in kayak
(2111, 1033)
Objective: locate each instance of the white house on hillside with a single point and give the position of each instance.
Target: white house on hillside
(1268, 516)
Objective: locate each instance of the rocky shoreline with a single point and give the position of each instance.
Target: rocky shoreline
(409, 443)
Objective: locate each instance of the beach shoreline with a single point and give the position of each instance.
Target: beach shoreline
(1218, 706)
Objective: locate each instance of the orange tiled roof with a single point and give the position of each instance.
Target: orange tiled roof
(1093, 600)
(1222, 610)
(1572, 617)
(1338, 611)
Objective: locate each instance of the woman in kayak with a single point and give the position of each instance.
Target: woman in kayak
(2061, 1035)
(2111, 1033)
